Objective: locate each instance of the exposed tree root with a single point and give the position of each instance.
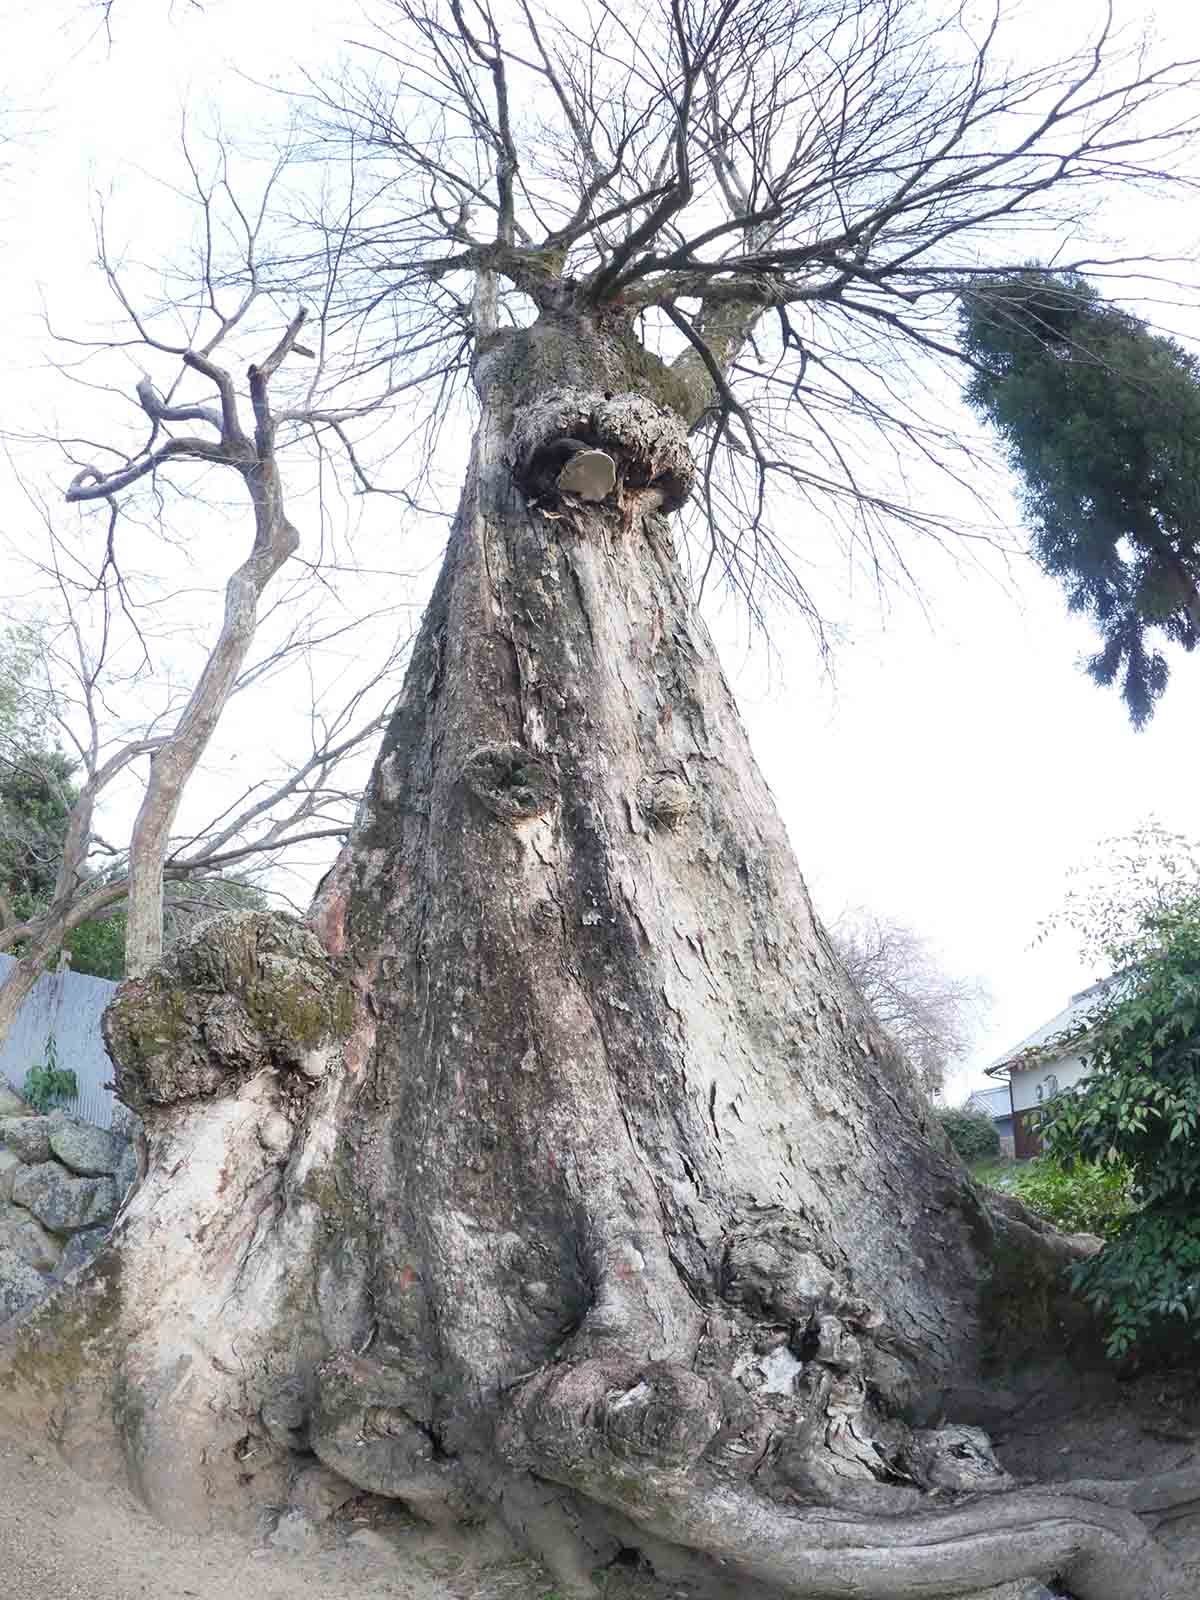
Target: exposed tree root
(1149, 1496)
(667, 1451)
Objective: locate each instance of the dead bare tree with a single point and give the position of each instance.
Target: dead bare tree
(202, 417)
(582, 1191)
(932, 1014)
(266, 822)
(783, 205)
(250, 452)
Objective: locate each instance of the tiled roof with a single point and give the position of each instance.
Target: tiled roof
(995, 1102)
(1051, 1037)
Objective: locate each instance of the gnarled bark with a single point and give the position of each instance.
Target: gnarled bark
(568, 1179)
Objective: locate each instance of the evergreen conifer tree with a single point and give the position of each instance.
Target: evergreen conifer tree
(1101, 418)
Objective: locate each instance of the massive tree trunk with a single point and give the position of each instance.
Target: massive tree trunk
(558, 1173)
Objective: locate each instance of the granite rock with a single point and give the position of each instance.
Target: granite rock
(88, 1151)
(11, 1104)
(10, 1165)
(62, 1202)
(27, 1137)
(20, 1284)
(22, 1234)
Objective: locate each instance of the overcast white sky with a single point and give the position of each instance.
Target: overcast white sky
(955, 765)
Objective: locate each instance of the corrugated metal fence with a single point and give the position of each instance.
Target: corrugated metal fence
(64, 1006)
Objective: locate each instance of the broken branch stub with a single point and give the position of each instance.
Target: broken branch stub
(248, 990)
(569, 440)
(510, 782)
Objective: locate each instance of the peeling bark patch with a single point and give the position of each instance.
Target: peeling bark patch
(510, 783)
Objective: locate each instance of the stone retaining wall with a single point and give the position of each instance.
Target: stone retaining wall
(61, 1184)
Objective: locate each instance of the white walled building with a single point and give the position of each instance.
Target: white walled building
(1049, 1060)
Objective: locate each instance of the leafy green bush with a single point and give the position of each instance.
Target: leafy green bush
(1087, 1197)
(47, 1084)
(972, 1133)
(1140, 1109)
(98, 947)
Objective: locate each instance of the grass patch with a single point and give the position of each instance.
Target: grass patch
(1086, 1198)
(994, 1171)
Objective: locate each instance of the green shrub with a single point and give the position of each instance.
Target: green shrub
(972, 1133)
(47, 1084)
(1088, 1197)
(98, 947)
(1139, 1109)
(1145, 1281)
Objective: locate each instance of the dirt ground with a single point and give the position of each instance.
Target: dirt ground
(1101, 1426)
(62, 1538)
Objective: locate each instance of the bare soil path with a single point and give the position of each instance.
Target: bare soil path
(62, 1538)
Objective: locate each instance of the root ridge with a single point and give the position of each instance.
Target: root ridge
(659, 1445)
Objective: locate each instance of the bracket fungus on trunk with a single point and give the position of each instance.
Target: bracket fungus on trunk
(591, 474)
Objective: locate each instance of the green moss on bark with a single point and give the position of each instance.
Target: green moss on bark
(66, 1343)
(249, 991)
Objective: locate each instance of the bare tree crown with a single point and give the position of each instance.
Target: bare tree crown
(784, 201)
